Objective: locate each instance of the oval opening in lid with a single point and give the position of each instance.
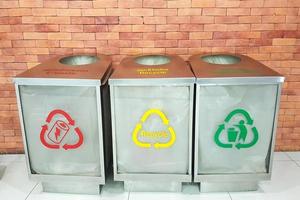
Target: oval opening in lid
(153, 60)
(221, 59)
(78, 60)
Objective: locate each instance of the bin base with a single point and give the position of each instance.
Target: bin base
(152, 186)
(228, 186)
(71, 187)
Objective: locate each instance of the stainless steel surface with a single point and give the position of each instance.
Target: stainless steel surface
(221, 59)
(152, 60)
(78, 60)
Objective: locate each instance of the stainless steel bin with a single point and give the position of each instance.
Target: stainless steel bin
(237, 103)
(152, 108)
(63, 123)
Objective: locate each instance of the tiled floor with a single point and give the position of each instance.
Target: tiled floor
(285, 185)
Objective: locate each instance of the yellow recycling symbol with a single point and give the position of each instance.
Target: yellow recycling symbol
(139, 126)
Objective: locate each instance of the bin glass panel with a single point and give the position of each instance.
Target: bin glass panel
(69, 143)
(166, 115)
(235, 128)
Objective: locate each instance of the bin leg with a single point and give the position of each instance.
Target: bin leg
(71, 187)
(152, 186)
(2, 170)
(237, 186)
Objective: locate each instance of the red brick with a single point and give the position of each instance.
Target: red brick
(71, 28)
(275, 3)
(83, 36)
(284, 41)
(155, 4)
(105, 3)
(55, 4)
(226, 20)
(80, 4)
(117, 12)
(142, 43)
(189, 43)
(107, 20)
(178, 20)
(120, 43)
(23, 43)
(229, 3)
(179, 4)
(131, 36)
(119, 28)
(260, 27)
(154, 36)
(288, 27)
(95, 28)
(191, 27)
(200, 35)
(238, 27)
(213, 43)
(93, 12)
(214, 11)
(46, 28)
(58, 20)
(203, 3)
(9, 4)
(37, 36)
(131, 20)
(44, 12)
(238, 11)
(250, 19)
(251, 3)
(143, 28)
(155, 20)
(107, 36)
(141, 12)
(33, 20)
(71, 44)
(69, 12)
(189, 11)
(167, 28)
(31, 3)
(177, 35)
(166, 43)
(37, 51)
(5, 28)
(95, 43)
(130, 3)
(202, 19)
(59, 36)
(165, 12)
(273, 19)
(19, 11)
(82, 20)
(215, 27)
(131, 51)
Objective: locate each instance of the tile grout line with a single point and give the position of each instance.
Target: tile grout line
(31, 191)
(229, 196)
(128, 196)
(295, 161)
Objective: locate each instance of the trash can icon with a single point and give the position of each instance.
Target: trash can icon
(64, 114)
(152, 108)
(237, 103)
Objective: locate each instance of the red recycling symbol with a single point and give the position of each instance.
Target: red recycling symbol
(58, 131)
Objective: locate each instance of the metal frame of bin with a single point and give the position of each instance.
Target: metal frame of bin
(146, 177)
(215, 182)
(44, 178)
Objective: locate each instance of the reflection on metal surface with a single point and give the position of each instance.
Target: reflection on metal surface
(221, 59)
(152, 60)
(79, 60)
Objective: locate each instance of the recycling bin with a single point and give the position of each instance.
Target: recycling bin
(237, 103)
(63, 107)
(152, 108)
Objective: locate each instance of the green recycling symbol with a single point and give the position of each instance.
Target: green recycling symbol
(237, 133)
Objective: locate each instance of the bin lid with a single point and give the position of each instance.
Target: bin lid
(152, 69)
(231, 68)
(96, 68)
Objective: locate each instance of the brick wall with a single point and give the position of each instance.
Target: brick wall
(31, 31)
